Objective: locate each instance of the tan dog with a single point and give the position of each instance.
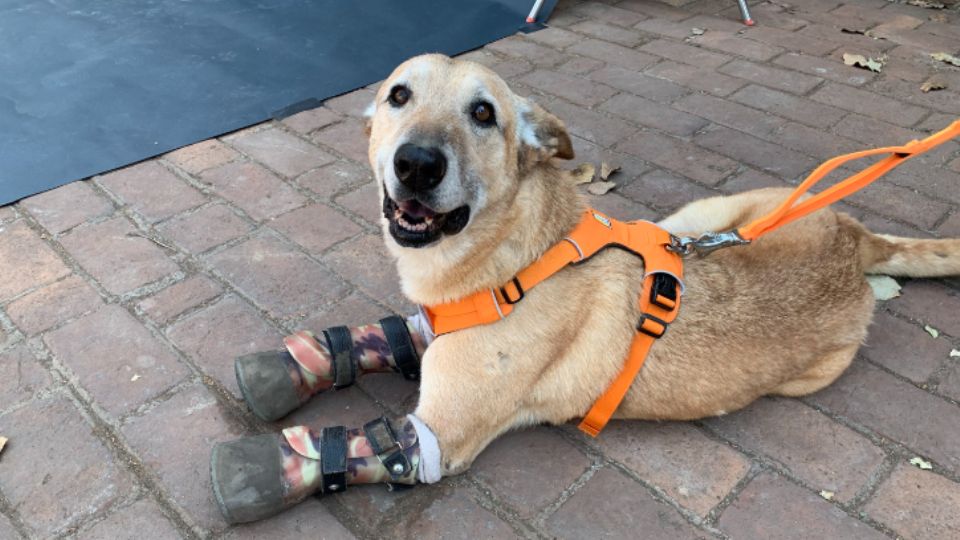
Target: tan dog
(471, 196)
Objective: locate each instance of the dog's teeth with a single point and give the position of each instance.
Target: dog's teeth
(419, 227)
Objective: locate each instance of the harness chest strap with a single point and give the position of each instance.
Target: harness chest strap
(659, 299)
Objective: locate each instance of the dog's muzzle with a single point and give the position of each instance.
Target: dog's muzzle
(414, 224)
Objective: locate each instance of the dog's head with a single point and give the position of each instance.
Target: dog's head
(449, 144)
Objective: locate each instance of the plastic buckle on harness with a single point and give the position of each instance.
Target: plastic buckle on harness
(648, 325)
(663, 292)
(506, 298)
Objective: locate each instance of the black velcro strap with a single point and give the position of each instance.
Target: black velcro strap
(383, 440)
(401, 346)
(333, 459)
(340, 343)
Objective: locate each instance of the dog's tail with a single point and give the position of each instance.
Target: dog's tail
(909, 257)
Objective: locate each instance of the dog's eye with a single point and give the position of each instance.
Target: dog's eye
(483, 113)
(399, 95)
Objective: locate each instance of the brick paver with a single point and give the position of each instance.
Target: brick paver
(21, 376)
(217, 334)
(179, 297)
(515, 468)
(679, 459)
(28, 262)
(61, 209)
(253, 188)
(117, 255)
(56, 472)
(142, 519)
(116, 359)
(125, 298)
(918, 504)
(610, 505)
(821, 453)
(285, 153)
(49, 306)
(168, 195)
(206, 228)
(772, 508)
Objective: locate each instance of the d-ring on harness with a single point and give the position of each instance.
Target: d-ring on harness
(662, 254)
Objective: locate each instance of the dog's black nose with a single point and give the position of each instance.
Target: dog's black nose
(419, 168)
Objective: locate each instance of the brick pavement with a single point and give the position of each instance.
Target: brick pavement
(109, 287)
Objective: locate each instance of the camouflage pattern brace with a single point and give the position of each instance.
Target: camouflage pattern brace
(310, 363)
(301, 449)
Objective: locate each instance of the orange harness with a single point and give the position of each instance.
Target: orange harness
(662, 255)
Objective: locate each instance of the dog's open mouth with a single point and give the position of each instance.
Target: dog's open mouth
(414, 224)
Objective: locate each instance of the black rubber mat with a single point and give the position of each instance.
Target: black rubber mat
(87, 86)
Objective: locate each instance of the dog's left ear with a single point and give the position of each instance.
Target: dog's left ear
(543, 132)
(368, 117)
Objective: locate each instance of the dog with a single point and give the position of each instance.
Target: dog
(472, 193)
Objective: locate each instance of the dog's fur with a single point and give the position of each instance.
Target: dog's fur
(782, 316)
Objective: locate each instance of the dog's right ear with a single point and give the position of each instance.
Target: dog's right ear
(542, 132)
(368, 117)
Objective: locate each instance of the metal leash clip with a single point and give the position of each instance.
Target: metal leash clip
(707, 243)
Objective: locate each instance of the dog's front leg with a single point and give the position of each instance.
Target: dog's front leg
(461, 410)
(274, 383)
(473, 390)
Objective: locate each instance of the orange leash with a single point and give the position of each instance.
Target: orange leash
(792, 210)
(789, 210)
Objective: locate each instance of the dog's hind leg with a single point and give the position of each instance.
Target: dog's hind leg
(275, 383)
(724, 213)
(819, 375)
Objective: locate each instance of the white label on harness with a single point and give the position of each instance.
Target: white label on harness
(602, 219)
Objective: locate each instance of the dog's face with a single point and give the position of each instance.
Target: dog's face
(448, 144)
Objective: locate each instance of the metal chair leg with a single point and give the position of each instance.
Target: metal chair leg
(532, 17)
(745, 13)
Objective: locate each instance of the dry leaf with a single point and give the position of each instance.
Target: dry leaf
(828, 495)
(3, 442)
(135, 378)
(926, 4)
(946, 57)
(932, 331)
(697, 31)
(936, 82)
(939, 18)
(884, 287)
(922, 463)
(955, 354)
(606, 170)
(601, 187)
(583, 174)
(861, 61)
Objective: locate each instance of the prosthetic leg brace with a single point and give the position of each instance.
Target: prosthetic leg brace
(257, 477)
(276, 382)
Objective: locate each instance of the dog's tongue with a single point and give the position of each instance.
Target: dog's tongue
(414, 208)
